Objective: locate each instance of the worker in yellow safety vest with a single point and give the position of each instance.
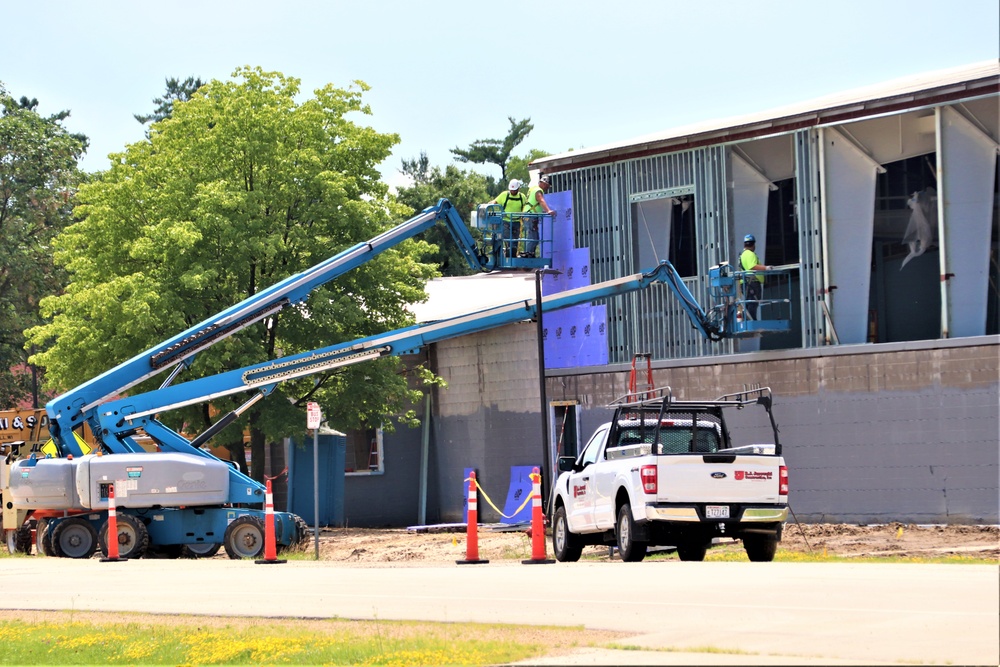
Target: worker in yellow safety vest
(512, 201)
(536, 204)
(754, 287)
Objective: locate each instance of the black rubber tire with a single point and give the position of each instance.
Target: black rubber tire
(43, 538)
(692, 550)
(760, 549)
(565, 545)
(19, 540)
(199, 550)
(74, 537)
(630, 550)
(244, 537)
(133, 537)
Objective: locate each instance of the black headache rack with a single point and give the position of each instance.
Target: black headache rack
(655, 419)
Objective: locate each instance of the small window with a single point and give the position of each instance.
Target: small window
(364, 451)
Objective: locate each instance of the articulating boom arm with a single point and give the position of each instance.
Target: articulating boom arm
(119, 419)
(71, 409)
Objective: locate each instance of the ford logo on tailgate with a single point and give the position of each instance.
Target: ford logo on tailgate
(718, 475)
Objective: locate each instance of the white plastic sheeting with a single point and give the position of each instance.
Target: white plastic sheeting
(922, 229)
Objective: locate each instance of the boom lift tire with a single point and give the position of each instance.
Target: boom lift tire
(133, 537)
(43, 538)
(74, 537)
(19, 540)
(566, 546)
(200, 550)
(244, 537)
(631, 550)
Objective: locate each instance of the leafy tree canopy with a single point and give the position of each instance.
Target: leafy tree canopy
(38, 175)
(239, 188)
(464, 189)
(177, 91)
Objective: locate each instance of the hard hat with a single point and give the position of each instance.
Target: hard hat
(514, 184)
(749, 238)
(543, 179)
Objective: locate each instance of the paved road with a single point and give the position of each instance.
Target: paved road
(772, 613)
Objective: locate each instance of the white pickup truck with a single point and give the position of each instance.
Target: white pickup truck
(665, 473)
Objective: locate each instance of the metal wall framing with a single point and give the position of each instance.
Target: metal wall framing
(807, 204)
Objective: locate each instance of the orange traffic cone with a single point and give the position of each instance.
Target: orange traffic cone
(270, 550)
(537, 523)
(472, 528)
(112, 537)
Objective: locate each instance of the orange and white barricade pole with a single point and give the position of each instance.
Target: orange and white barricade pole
(112, 537)
(270, 549)
(537, 523)
(472, 528)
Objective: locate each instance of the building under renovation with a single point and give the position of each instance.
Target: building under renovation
(882, 204)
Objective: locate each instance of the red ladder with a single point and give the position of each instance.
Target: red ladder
(633, 377)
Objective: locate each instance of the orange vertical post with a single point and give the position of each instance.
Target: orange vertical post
(472, 527)
(112, 537)
(270, 549)
(537, 523)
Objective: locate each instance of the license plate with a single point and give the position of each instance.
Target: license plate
(717, 511)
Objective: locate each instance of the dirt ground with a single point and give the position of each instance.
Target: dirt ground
(449, 543)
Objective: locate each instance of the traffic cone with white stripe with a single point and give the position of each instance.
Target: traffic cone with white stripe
(112, 537)
(472, 528)
(537, 523)
(270, 549)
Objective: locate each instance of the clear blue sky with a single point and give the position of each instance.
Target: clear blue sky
(444, 74)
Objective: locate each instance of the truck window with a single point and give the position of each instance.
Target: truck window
(593, 448)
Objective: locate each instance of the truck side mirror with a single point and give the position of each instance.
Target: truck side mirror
(567, 463)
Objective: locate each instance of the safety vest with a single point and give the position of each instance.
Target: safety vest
(511, 203)
(533, 206)
(748, 260)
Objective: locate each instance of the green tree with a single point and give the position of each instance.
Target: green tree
(177, 91)
(241, 187)
(496, 151)
(464, 189)
(38, 175)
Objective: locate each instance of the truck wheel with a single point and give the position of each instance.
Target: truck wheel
(200, 550)
(74, 538)
(244, 537)
(760, 549)
(694, 551)
(133, 537)
(629, 549)
(566, 546)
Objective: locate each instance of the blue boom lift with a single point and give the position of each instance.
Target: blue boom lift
(181, 500)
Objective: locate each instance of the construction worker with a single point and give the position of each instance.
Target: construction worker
(754, 288)
(512, 201)
(536, 204)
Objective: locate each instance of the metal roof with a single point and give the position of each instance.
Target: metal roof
(451, 297)
(911, 92)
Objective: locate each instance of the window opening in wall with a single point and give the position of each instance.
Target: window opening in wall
(663, 228)
(565, 420)
(783, 248)
(364, 451)
(905, 295)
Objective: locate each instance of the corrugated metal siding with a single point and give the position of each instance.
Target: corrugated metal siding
(807, 197)
(652, 320)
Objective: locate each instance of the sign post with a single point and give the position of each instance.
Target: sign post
(314, 416)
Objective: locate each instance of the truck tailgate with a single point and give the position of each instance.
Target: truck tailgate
(690, 478)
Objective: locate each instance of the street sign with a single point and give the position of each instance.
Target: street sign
(313, 415)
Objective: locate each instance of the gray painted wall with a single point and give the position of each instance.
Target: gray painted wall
(873, 433)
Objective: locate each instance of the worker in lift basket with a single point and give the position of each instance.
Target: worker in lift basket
(536, 204)
(754, 287)
(512, 201)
